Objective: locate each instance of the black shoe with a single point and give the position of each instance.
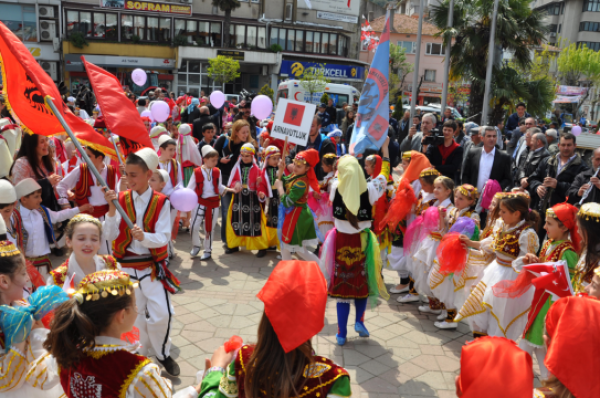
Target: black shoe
(272, 248)
(170, 366)
(261, 253)
(230, 250)
(58, 252)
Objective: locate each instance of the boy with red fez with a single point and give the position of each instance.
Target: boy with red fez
(143, 252)
(350, 256)
(494, 367)
(81, 185)
(298, 229)
(282, 363)
(207, 183)
(560, 224)
(246, 223)
(573, 357)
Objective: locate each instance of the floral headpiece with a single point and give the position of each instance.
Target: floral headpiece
(82, 217)
(249, 148)
(430, 172)
(102, 283)
(468, 191)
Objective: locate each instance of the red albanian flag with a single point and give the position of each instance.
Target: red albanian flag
(120, 115)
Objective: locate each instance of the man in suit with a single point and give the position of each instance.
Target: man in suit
(515, 143)
(487, 163)
(414, 138)
(536, 153)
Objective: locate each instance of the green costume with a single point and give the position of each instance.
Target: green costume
(298, 225)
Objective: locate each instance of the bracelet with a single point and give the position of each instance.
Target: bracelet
(215, 369)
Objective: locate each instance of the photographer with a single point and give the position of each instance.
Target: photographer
(414, 138)
(245, 110)
(447, 155)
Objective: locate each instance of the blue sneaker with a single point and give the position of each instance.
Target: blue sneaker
(361, 329)
(340, 340)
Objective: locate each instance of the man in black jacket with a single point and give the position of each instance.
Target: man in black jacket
(447, 157)
(477, 168)
(536, 154)
(331, 111)
(403, 126)
(204, 118)
(317, 141)
(556, 173)
(584, 180)
(245, 114)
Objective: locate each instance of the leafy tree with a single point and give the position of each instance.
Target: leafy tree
(223, 69)
(226, 6)
(519, 29)
(399, 69)
(324, 99)
(268, 91)
(313, 80)
(398, 110)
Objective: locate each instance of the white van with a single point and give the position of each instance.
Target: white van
(340, 93)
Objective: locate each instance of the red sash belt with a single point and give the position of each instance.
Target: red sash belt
(99, 211)
(210, 204)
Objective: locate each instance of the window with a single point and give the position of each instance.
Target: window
(332, 43)
(199, 33)
(192, 77)
(291, 38)
(342, 46)
(21, 20)
(552, 28)
(429, 75)
(309, 42)
(435, 49)
(146, 28)
(300, 41)
(251, 37)
(559, 27)
(261, 41)
(139, 27)
(409, 47)
(126, 27)
(589, 26)
(325, 45)
(282, 38)
(591, 5)
(592, 45)
(152, 29)
(273, 37)
(317, 43)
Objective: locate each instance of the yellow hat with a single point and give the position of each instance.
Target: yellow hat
(406, 155)
(430, 172)
(102, 283)
(590, 210)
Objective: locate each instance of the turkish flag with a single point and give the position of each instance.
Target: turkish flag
(25, 87)
(120, 115)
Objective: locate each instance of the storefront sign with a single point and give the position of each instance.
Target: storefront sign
(293, 121)
(333, 6)
(237, 55)
(332, 71)
(150, 6)
(336, 17)
(73, 62)
(42, 51)
(564, 99)
(571, 90)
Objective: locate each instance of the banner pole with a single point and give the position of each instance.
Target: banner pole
(85, 157)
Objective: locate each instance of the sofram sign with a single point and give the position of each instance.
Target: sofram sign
(297, 68)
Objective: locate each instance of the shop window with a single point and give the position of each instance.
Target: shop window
(261, 41)
(234, 87)
(193, 77)
(429, 75)
(21, 20)
(325, 44)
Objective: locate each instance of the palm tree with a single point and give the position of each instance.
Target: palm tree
(226, 6)
(518, 30)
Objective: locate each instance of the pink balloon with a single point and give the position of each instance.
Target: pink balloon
(575, 130)
(147, 113)
(217, 99)
(139, 77)
(262, 106)
(160, 111)
(184, 199)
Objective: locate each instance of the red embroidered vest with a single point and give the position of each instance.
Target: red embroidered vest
(72, 164)
(212, 202)
(174, 173)
(124, 239)
(83, 188)
(17, 230)
(59, 274)
(507, 243)
(103, 374)
(555, 254)
(319, 376)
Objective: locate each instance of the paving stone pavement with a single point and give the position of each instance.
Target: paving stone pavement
(406, 355)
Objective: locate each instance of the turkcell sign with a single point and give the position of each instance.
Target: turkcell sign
(296, 69)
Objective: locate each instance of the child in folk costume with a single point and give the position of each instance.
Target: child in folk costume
(207, 183)
(81, 185)
(246, 222)
(73, 160)
(424, 258)
(83, 237)
(513, 239)
(143, 252)
(413, 163)
(38, 221)
(159, 180)
(85, 341)
(561, 222)
(588, 222)
(19, 355)
(298, 230)
(283, 362)
(155, 133)
(267, 193)
(425, 199)
(350, 257)
(443, 285)
(324, 215)
(373, 165)
(167, 161)
(187, 150)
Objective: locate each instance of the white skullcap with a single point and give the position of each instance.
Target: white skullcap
(206, 149)
(164, 175)
(27, 187)
(163, 138)
(156, 131)
(70, 99)
(7, 192)
(185, 129)
(150, 157)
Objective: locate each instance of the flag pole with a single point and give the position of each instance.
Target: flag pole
(85, 157)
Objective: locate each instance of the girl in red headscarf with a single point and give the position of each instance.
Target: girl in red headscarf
(298, 229)
(560, 225)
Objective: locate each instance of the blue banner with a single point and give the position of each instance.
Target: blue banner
(295, 69)
(372, 120)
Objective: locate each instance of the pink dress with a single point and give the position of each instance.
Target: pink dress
(22, 170)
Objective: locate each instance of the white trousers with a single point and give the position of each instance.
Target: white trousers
(155, 313)
(199, 221)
